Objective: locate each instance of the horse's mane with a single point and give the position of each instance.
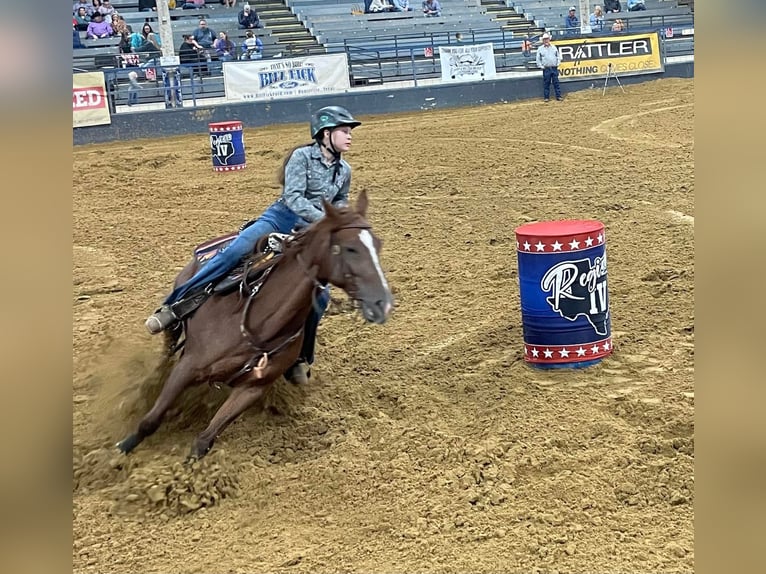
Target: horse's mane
(338, 218)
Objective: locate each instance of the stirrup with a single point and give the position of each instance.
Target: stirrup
(160, 320)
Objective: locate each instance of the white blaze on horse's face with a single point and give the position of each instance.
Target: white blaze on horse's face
(366, 238)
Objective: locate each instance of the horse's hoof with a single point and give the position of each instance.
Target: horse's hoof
(298, 374)
(127, 445)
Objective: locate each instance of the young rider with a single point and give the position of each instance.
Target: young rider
(310, 173)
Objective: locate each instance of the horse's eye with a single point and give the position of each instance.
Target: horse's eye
(351, 250)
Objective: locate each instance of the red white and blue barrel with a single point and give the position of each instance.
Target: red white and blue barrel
(227, 146)
(564, 295)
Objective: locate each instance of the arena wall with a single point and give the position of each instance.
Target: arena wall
(165, 123)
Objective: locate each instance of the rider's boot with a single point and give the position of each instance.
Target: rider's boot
(160, 320)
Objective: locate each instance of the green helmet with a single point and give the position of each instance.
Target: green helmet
(331, 117)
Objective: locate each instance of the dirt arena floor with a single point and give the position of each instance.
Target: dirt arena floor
(426, 444)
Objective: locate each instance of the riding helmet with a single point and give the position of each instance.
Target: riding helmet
(331, 117)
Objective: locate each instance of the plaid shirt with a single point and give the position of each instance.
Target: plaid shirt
(308, 179)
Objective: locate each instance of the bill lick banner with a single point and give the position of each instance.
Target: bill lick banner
(630, 55)
(285, 78)
(89, 105)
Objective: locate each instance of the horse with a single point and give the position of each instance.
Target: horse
(249, 343)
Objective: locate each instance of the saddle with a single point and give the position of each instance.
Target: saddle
(251, 271)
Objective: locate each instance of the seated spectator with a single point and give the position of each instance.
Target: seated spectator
(106, 10)
(612, 6)
(192, 4)
(229, 3)
(403, 6)
(597, 19)
(252, 47)
(618, 26)
(380, 6)
(203, 35)
(248, 18)
(190, 52)
(224, 47)
(81, 19)
(148, 5)
(572, 22)
(95, 5)
(636, 5)
(432, 8)
(97, 28)
(145, 40)
(124, 45)
(119, 25)
(89, 8)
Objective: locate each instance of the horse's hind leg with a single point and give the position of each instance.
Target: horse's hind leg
(238, 401)
(177, 381)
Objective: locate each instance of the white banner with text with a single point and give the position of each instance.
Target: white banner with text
(285, 78)
(89, 104)
(464, 63)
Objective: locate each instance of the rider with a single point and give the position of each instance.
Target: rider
(309, 173)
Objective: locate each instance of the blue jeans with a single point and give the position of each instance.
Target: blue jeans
(551, 76)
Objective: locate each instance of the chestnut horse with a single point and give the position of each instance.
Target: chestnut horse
(248, 344)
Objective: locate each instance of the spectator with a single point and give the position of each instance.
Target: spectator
(380, 6)
(612, 6)
(89, 8)
(549, 58)
(403, 6)
(636, 5)
(95, 5)
(134, 88)
(204, 36)
(147, 5)
(526, 47)
(76, 41)
(145, 40)
(124, 45)
(572, 22)
(248, 18)
(252, 47)
(106, 10)
(224, 47)
(458, 37)
(98, 28)
(432, 8)
(81, 19)
(119, 25)
(597, 19)
(618, 26)
(193, 4)
(190, 51)
(229, 3)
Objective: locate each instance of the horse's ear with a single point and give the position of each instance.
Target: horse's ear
(361, 203)
(329, 209)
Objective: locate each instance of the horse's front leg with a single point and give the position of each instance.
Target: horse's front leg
(180, 378)
(241, 398)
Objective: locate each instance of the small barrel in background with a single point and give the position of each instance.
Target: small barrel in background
(227, 146)
(564, 295)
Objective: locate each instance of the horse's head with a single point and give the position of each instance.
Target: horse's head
(348, 258)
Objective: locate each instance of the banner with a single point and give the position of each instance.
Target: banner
(89, 105)
(285, 78)
(630, 55)
(467, 63)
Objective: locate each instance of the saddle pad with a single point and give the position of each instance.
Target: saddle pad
(205, 251)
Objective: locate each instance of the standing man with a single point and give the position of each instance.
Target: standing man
(549, 58)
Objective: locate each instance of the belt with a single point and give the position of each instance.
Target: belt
(549, 67)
